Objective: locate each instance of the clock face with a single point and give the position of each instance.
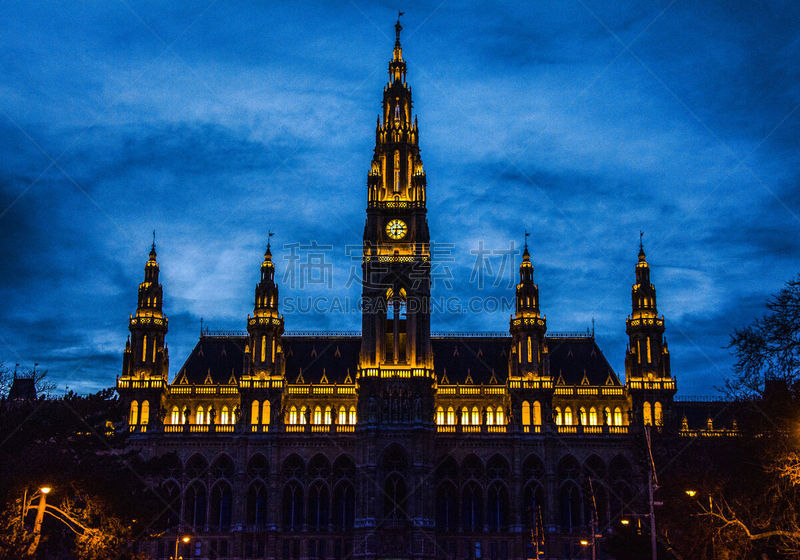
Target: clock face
(396, 229)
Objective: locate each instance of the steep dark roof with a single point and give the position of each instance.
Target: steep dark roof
(475, 357)
(697, 413)
(23, 388)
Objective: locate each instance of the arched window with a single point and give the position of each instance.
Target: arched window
(318, 415)
(352, 415)
(537, 413)
(593, 416)
(451, 415)
(303, 418)
(133, 419)
(175, 417)
(254, 412)
(144, 348)
(144, 418)
(559, 419)
(266, 413)
(647, 414)
(200, 416)
(223, 415)
(617, 416)
(497, 510)
(394, 497)
(344, 507)
(526, 413)
(489, 416)
(446, 508)
(195, 506)
(439, 416)
(648, 350)
(318, 507)
(568, 416)
(465, 416)
(257, 505)
(499, 416)
(471, 508)
(263, 355)
(327, 415)
(584, 419)
(293, 415)
(292, 507)
(532, 505)
(342, 415)
(476, 416)
(570, 507)
(658, 414)
(530, 350)
(221, 500)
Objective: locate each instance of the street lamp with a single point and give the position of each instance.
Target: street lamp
(624, 521)
(691, 493)
(178, 539)
(37, 524)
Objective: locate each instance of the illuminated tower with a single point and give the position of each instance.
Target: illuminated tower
(145, 363)
(647, 369)
(396, 260)
(264, 358)
(529, 363)
(395, 376)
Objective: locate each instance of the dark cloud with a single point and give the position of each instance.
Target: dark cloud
(583, 122)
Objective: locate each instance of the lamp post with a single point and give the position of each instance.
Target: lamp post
(37, 524)
(178, 540)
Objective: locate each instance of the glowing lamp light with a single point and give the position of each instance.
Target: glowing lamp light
(185, 539)
(625, 521)
(584, 542)
(45, 489)
(691, 493)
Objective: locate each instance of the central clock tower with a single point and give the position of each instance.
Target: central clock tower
(396, 259)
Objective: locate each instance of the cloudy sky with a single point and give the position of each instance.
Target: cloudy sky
(214, 122)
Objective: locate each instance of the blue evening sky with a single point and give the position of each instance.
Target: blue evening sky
(214, 122)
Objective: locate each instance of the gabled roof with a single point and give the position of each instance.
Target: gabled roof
(479, 359)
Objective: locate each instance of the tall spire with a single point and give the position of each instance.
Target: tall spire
(398, 50)
(153, 248)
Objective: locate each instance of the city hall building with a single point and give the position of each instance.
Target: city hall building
(393, 442)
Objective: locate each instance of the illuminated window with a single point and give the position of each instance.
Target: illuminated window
(583, 416)
(303, 415)
(519, 351)
(175, 417)
(537, 413)
(396, 171)
(638, 351)
(263, 348)
(499, 417)
(647, 414)
(265, 412)
(328, 415)
(293, 415)
(489, 416)
(530, 351)
(476, 416)
(465, 416)
(353, 415)
(526, 413)
(273, 349)
(568, 416)
(648, 350)
(342, 415)
(254, 412)
(592, 417)
(199, 417)
(559, 420)
(318, 415)
(134, 416)
(223, 415)
(155, 343)
(658, 414)
(144, 348)
(617, 417)
(440, 416)
(451, 415)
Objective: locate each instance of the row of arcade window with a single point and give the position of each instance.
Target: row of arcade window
(204, 415)
(588, 418)
(320, 415)
(470, 417)
(137, 415)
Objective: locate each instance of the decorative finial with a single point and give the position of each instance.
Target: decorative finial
(153, 247)
(397, 27)
(269, 238)
(641, 239)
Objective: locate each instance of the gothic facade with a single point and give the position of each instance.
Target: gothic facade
(394, 442)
